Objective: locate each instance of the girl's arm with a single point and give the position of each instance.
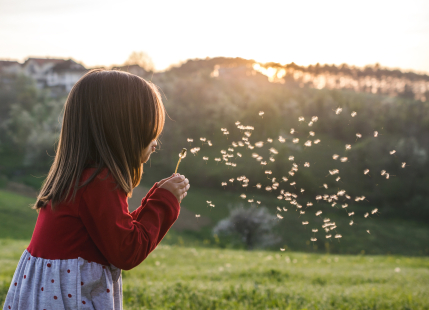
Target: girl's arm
(123, 240)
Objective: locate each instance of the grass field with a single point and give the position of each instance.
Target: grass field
(193, 270)
(175, 277)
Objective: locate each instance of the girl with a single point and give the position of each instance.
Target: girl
(84, 233)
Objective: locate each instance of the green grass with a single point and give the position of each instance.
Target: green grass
(175, 277)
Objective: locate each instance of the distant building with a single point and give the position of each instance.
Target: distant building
(10, 67)
(62, 76)
(37, 68)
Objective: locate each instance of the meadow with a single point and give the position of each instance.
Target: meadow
(193, 270)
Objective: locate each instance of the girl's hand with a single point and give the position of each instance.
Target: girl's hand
(177, 184)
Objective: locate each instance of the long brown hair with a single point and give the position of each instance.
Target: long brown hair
(110, 117)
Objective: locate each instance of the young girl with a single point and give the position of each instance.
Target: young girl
(84, 233)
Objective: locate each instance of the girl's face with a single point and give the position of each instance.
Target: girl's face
(149, 150)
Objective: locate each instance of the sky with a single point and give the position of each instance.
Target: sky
(101, 33)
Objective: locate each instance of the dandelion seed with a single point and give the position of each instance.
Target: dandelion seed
(366, 215)
(250, 200)
(328, 236)
(343, 159)
(368, 232)
(281, 249)
(278, 208)
(284, 209)
(310, 124)
(268, 188)
(403, 165)
(307, 143)
(258, 185)
(351, 213)
(296, 140)
(301, 212)
(268, 172)
(348, 197)
(237, 123)
(354, 114)
(269, 140)
(392, 152)
(263, 163)
(190, 140)
(251, 147)
(314, 119)
(197, 215)
(337, 236)
(375, 134)
(366, 171)
(291, 158)
(307, 164)
(315, 230)
(258, 202)
(313, 239)
(205, 158)
(383, 172)
(358, 135)
(259, 144)
(285, 179)
(293, 183)
(333, 205)
(348, 146)
(272, 159)
(301, 118)
(195, 150)
(228, 163)
(279, 216)
(305, 223)
(318, 213)
(317, 141)
(337, 179)
(248, 134)
(217, 159)
(338, 111)
(374, 211)
(261, 113)
(345, 206)
(243, 196)
(335, 156)
(325, 185)
(351, 223)
(318, 197)
(387, 175)
(203, 139)
(281, 139)
(309, 204)
(274, 151)
(302, 190)
(226, 132)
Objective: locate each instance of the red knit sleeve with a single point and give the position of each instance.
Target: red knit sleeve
(125, 242)
(137, 211)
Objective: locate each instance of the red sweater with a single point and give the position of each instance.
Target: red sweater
(97, 225)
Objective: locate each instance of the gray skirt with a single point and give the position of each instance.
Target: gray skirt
(40, 283)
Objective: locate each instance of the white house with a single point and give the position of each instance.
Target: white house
(38, 67)
(62, 76)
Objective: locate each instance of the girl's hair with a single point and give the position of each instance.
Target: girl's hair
(110, 117)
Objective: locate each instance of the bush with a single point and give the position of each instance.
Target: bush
(252, 226)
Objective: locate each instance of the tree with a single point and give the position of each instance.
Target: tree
(142, 59)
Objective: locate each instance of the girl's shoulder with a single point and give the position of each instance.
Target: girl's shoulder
(95, 179)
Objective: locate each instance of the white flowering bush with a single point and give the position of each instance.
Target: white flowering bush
(250, 226)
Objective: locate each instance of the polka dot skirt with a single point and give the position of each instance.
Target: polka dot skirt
(63, 284)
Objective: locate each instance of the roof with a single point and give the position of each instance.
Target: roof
(5, 63)
(42, 61)
(68, 65)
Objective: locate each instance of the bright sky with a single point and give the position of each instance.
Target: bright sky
(100, 32)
